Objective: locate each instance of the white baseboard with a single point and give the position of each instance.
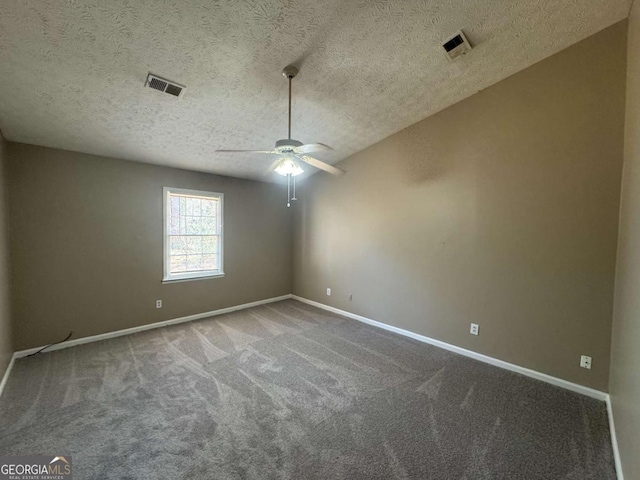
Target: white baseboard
(462, 351)
(150, 326)
(614, 440)
(590, 392)
(7, 372)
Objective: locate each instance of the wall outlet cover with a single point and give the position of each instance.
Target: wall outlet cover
(158, 303)
(585, 362)
(475, 329)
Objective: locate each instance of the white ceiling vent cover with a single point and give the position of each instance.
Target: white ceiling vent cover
(164, 85)
(457, 45)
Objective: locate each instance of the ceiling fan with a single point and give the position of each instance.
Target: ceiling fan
(291, 151)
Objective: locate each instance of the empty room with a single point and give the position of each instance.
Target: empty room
(304, 240)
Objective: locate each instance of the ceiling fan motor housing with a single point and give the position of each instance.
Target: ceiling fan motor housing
(287, 145)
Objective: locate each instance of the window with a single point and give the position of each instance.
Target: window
(192, 234)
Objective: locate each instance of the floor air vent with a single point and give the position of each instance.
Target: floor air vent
(457, 45)
(164, 85)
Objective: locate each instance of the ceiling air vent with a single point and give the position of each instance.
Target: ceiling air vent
(457, 45)
(164, 85)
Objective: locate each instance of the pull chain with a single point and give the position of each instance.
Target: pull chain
(288, 190)
(294, 189)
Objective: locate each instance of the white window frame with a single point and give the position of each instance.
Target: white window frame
(201, 274)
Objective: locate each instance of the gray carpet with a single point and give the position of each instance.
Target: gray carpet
(288, 391)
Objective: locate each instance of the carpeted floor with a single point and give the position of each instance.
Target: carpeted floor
(288, 391)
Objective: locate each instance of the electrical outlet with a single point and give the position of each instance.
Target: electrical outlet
(158, 303)
(351, 297)
(475, 329)
(328, 292)
(585, 362)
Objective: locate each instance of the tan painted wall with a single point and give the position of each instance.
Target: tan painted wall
(625, 357)
(6, 347)
(86, 243)
(500, 210)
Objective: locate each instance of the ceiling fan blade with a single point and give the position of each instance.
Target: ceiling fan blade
(312, 147)
(314, 162)
(246, 151)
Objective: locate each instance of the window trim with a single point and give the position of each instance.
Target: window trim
(167, 277)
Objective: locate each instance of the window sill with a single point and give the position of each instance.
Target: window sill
(188, 279)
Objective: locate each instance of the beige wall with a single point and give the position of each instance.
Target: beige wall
(500, 210)
(6, 347)
(625, 358)
(87, 243)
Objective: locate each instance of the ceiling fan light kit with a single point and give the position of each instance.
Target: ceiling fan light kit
(288, 166)
(293, 151)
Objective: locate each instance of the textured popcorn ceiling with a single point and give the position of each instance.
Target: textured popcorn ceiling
(72, 72)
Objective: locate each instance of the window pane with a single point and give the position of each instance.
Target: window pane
(193, 235)
(209, 226)
(194, 262)
(175, 206)
(177, 245)
(210, 244)
(194, 245)
(209, 207)
(175, 225)
(210, 262)
(193, 206)
(183, 225)
(192, 225)
(178, 263)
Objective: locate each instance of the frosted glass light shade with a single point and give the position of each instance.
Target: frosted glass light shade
(289, 166)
